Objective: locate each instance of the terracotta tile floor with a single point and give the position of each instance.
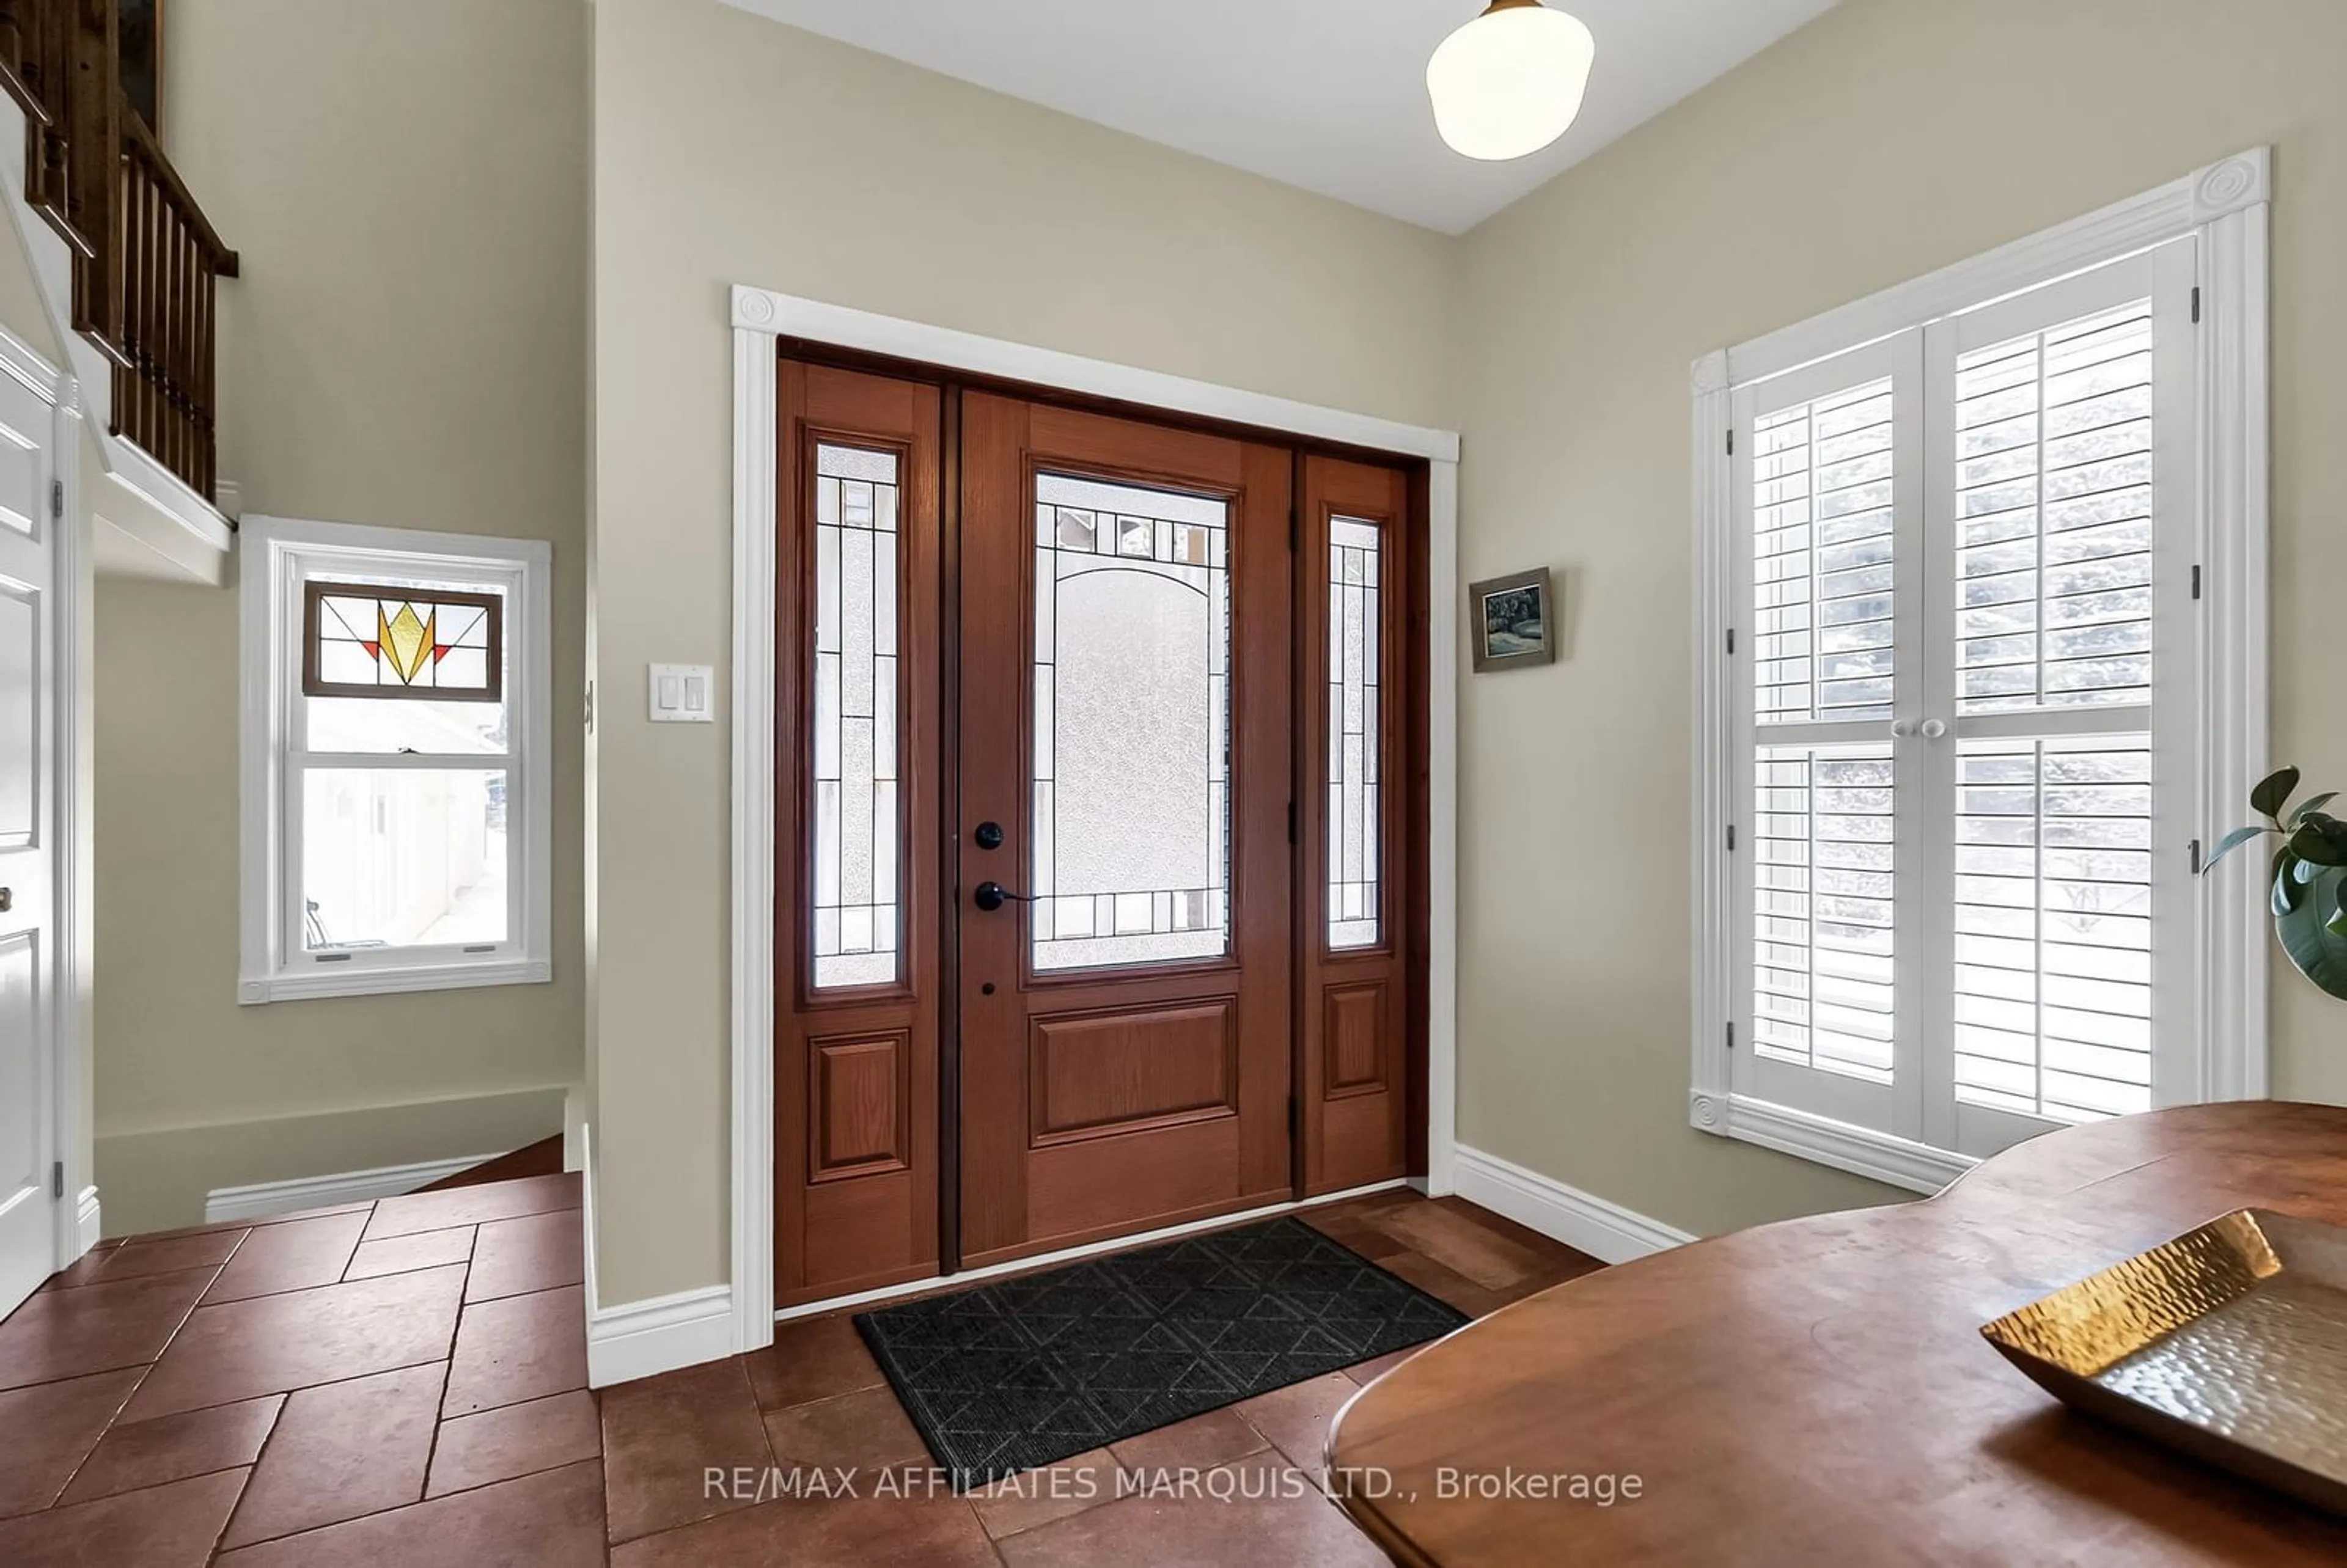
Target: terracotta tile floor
(399, 1382)
(404, 1383)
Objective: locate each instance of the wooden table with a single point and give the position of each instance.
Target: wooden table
(1818, 1391)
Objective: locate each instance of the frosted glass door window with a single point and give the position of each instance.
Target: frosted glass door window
(1353, 821)
(1130, 834)
(857, 914)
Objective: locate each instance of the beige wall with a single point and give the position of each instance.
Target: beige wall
(1890, 138)
(731, 150)
(406, 182)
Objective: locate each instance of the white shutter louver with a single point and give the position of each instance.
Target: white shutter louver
(2054, 485)
(1953, 556)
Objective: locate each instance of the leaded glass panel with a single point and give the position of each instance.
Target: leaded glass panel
(1131, 833)
(855, 900)
(399, 641)
(1353, 717)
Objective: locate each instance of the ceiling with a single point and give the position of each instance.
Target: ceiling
(1330, 95)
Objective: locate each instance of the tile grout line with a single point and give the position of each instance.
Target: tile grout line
(270, 1446)
(439, 1413)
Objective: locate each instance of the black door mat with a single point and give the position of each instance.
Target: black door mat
(1034, 1369)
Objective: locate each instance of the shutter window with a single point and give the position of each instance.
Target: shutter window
(1967, 853)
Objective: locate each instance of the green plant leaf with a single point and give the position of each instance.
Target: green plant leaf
(2321, 840)
(2272, 792)
(2337, 924)
(2232, 841)
(2309, 805)
(2287, 893)
(2319, 951)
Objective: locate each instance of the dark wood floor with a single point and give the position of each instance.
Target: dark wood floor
(404, 1383)
(543, 1158)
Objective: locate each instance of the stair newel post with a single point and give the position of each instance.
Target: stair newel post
(94, 153)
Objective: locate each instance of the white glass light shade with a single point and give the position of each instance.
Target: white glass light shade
(1510, 82)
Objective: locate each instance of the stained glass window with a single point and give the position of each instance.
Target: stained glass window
(1353, 714)
(374, 640)
(857, 915)
(1131, 725)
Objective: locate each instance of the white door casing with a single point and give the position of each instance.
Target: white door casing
(31, 661)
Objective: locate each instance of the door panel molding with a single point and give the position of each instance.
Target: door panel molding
(859, 1105)
(760, 318)
(1099, 1075)
(1356, 1024)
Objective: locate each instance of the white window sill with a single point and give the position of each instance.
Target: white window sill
(1918, 1167)
(335, 980)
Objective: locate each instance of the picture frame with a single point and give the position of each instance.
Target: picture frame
(1513, 620)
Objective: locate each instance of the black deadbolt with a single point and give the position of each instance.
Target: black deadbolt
(988, 836)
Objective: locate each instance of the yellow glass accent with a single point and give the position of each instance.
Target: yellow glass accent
(406, 639)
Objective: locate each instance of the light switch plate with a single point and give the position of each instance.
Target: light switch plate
(682, 694)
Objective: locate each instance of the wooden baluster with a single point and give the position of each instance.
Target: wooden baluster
(182, 272)
(134, 282)
(138, 309)
(207, 372)
(137, 288)
(46, 172)
(183, 311)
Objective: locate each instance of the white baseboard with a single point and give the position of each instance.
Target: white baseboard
(1603, 1230)
(88, 1227)
(265, 1198)
(644, 1338)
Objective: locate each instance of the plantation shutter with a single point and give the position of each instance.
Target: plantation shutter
(1967, 724)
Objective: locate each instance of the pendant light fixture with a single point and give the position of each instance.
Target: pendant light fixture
(1510, 82)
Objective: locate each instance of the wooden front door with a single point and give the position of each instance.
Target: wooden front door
(1095, 819)
(1125, 756)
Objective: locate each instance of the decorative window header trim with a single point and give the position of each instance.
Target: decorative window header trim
(2197, 200)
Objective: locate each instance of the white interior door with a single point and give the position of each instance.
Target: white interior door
(28, 785)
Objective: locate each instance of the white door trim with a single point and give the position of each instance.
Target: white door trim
(61, 1066)
(760, 316)
(78, 1220)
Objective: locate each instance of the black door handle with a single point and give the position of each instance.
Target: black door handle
(990, 895)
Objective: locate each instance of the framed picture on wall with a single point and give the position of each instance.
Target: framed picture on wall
(1514, 621)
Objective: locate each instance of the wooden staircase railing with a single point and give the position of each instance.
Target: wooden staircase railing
(146, 259)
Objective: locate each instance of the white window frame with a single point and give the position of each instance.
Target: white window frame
(2225, 209)
(277, 554)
